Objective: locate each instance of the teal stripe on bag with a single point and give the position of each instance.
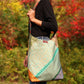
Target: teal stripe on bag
(43, 69)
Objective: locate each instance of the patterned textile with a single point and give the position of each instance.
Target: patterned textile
(43, 60)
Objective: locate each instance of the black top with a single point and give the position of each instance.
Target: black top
(45, 13)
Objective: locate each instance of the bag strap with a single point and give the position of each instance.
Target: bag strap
(33, 9)
(30, 25)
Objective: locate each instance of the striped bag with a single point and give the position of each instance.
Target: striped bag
(43, 59)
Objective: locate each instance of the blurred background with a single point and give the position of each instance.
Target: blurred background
(14, 40)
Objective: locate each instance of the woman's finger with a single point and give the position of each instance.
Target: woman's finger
(28, 14)
(29, 11)
(24, 62)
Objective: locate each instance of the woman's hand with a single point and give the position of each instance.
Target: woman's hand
(55, 40)
(31, 14)
(26, 61)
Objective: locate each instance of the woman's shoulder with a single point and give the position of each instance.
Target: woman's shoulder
(43, 3)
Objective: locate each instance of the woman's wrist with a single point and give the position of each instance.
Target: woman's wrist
(33, 20)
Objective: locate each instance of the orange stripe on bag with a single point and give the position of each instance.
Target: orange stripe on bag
(32, 77)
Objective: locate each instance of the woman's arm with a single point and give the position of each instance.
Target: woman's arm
(37, 21)
(49, 22)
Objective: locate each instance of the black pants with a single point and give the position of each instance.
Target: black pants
(37, 82)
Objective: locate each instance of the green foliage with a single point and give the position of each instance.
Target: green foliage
(14, 21)
(11, 65)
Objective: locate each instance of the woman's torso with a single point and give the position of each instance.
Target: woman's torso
(44, 12)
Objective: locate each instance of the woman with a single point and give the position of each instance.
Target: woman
(43, 22)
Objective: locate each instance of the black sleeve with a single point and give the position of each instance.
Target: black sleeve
(49, 17)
